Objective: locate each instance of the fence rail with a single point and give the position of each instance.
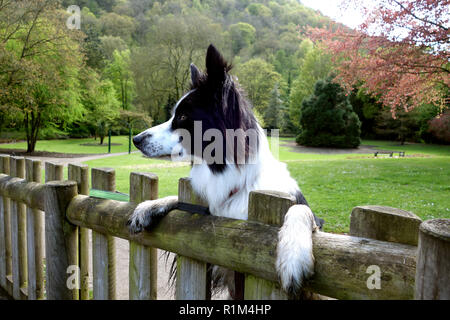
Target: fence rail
(248, 247)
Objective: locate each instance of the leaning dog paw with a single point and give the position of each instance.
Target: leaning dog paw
(145, 213)
(295, 261)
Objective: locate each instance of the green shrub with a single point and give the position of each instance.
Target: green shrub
(327, 118)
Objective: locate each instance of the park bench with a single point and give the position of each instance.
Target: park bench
(390, 153)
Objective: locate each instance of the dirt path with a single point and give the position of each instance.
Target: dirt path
(74, 159)
(294, 147)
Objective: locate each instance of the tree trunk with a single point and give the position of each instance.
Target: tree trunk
(32, 129)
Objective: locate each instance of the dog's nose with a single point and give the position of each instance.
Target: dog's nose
(137, 140)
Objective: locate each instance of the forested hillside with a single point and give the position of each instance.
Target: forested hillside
(128, 64)
(158, 40)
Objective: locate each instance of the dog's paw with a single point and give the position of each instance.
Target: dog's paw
(147, 212)
(295, 260)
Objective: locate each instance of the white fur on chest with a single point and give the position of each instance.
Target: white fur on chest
(219, 190)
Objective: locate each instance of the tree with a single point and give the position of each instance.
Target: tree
(272, 115)
(242, 36)
(327, 118)
(39, 62)
(316, 65)
(258, 78)
(400, 52)
(100, 101)
(118, 70)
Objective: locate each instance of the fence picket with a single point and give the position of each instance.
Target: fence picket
(61, 242)
(270, 208)
(80, 174)
(5, 161)
(143, 260)
(193, 276)
(103, 246)
(35, 238)
(18, 235)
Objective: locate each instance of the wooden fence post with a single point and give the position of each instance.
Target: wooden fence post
(35, 237)
(61, 241)
(433, 261)
(5, 232)
(143, 261)
(193, 277)
(268, 207)
(54, 171)
(103, 246)
(18, 235)
(385, 224)
(80, 174)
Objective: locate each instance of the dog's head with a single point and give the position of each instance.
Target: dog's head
(212, 107)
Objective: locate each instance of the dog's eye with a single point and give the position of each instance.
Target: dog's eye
(182, 117)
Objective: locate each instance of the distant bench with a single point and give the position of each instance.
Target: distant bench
(390, 153)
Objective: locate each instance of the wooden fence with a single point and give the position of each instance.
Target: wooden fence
(384, 240)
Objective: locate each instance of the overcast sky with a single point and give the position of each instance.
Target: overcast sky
(330, 8)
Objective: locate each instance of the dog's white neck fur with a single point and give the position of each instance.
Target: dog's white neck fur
(227, 192)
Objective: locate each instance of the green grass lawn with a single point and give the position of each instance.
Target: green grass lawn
(75, 145)
(334, 184)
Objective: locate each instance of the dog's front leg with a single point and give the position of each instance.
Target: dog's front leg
(295, 261)
(147, 212)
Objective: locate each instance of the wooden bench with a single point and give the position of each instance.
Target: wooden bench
(390, 153)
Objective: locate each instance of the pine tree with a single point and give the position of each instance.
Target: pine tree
(327, 118)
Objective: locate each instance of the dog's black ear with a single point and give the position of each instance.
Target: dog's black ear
(216, 66)
(196, 75)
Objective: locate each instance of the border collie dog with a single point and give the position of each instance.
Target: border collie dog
(216, 103)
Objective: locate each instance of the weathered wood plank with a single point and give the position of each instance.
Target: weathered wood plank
(385, 223)
(193, 282)
(17, 189)
(143, 260)
(35, 238)
(53, 171)
(6, 260)
(18, 233)
(104, 179)
(433, 261)
(249, 247)
(100, 258)
(61, 241)
(80, 174)
(268, 207)
(2, 246)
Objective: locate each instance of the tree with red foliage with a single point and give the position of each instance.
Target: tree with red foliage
(400, 53)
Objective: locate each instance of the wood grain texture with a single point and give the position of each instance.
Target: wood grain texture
(249, 247)
(35, 238)
(193, 281)
(143, 260)
(6, 220)
(433, 261)
(104, 179)
(268, 207)
(61, 240)
(18, 233)
(53, 171)
(385, 223)
(80, 174)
